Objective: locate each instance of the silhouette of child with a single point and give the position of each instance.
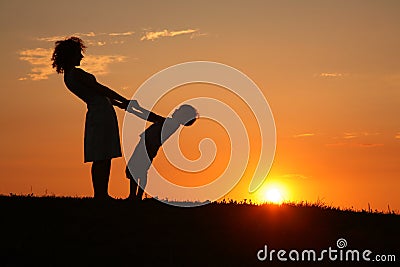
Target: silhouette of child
(150, 142)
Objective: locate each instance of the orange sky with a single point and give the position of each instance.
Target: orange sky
(329, 70)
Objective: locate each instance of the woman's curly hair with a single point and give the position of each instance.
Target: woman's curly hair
(64, 52)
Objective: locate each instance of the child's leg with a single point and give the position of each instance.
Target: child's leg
(142, 183)
(133, 188)
(132, 184)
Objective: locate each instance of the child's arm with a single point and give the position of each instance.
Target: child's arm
(144, 113)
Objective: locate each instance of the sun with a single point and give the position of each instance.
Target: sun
(273, 195)
(275, 192)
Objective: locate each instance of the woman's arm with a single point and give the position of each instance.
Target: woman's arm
(90, 81)
(121, 105)
(110, 93)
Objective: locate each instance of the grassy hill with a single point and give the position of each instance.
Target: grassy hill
(50, 231)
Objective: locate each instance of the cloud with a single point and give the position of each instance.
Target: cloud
(101, 39)
(368, 145)
(303, 135)
(153, 35)
(92, 38)
(351, 135)
(98, 64)
(62, 37)
(92, 43)
(331, 75)
(40, 61)
(293, 176)
(198, 34)
(89, 34)
(357, 140)
(51, 38)
(356, 145)
(370, 133)
(118, 42)
(121, 33)
(397, 136)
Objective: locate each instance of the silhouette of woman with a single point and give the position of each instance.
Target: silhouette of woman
(101, 141)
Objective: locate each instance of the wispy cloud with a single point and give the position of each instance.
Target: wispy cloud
(92, 43)
(352, 135)
(363, 139)
(62, 37)
(332, 75)
(51, 38)
(370, 133)
(293, 176)
(198, 34)
(355, 145)
(103, 38)
(153, 35)
(92, 38)
(368, 145)
(121, 33)
(99, 64)
(39, 59)
(304, 135)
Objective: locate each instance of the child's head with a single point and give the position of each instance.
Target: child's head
(185, 115)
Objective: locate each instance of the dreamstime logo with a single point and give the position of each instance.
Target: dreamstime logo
(341, 243)
(221, 113)
(331, 254)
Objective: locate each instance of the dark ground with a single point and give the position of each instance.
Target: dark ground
(47, 231)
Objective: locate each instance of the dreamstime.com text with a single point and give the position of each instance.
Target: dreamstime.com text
(330, 254)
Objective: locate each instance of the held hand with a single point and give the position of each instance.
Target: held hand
(124, 105)
(135, 104)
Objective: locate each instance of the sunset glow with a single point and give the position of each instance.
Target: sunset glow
(328, 69)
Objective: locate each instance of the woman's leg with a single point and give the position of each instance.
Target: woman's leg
(100, 177)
